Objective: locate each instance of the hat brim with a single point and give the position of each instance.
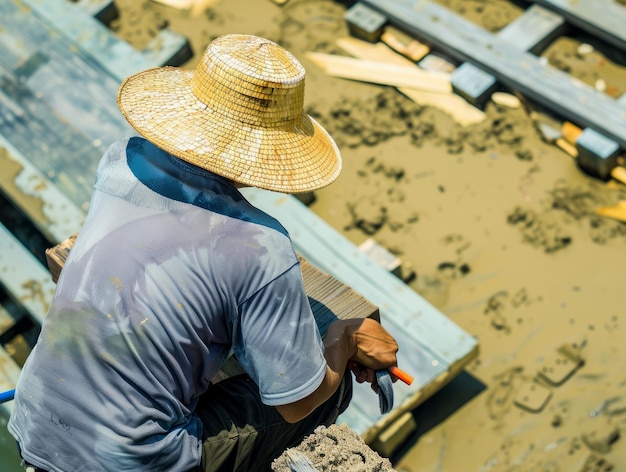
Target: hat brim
(296, 157)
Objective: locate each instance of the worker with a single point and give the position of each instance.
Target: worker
(174, 270)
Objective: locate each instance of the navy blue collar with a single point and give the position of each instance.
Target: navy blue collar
(178, 180)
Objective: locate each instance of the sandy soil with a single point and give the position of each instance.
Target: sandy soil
(499, 227)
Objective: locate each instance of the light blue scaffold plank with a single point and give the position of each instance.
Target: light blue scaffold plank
(431, 345)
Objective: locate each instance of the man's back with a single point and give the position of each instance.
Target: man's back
(146, 309)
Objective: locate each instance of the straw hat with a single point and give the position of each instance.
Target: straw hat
(239, 114)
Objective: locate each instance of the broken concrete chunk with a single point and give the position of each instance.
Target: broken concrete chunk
(548, 133)
(336, 448)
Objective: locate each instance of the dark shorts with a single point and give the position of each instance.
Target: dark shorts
(243, 434)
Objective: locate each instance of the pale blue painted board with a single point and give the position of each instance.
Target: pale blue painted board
(115, 55)
(401, 308)
(26, 280)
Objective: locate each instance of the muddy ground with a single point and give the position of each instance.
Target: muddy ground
(499, 227)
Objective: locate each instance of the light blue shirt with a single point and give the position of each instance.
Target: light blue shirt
(172, 271)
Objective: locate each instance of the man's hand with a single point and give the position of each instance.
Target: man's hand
(368, 346)
(363, 341)
(375, 348)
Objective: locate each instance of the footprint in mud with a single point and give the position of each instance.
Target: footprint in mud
(495, 309)
(502, 392)
(497, 305)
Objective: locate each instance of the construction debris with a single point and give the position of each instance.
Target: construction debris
(617, 212)
(461, 111)
(337, 449)
(404, 44)
(194, 7)
(382, 73)
(506, 100)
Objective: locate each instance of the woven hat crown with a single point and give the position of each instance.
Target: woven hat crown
(239, 114)
(250, 79)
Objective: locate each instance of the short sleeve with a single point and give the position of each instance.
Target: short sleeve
(278, 342)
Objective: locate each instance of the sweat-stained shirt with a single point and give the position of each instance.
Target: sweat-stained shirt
(173, 270)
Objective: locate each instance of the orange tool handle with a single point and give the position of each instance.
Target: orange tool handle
(402, 375)
(395, 371)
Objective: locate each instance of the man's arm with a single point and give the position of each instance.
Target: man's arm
(362, 340)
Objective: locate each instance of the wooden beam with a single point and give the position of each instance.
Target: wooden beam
(519, 70)
(382, 72)
(114, 55)
(25, 279)
(49, 209)
(534, 30)
(432, 347)
(329, 298)
(49, 87)
(604, 19)
(461, 111)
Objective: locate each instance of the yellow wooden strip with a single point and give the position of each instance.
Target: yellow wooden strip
(404, 44)
(570, 132)
(194, 6)
(617, 212)
(373, 52)
(563, 144)
(461, 111)
(619, 174)
(382, 73)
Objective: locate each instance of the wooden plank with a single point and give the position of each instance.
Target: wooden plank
(49, 209)
(52, 90)
(382, 72)
(193, 7)
(113, 54)
(461, 111)
(534, 30)
(432, 347)
(23, 277)
(604, 19)
(330, 300)
(9, 369)
(519, 70)
(404, 44)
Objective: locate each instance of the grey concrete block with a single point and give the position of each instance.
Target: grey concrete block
(473, 84)
(597, 154)
(365, 23)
